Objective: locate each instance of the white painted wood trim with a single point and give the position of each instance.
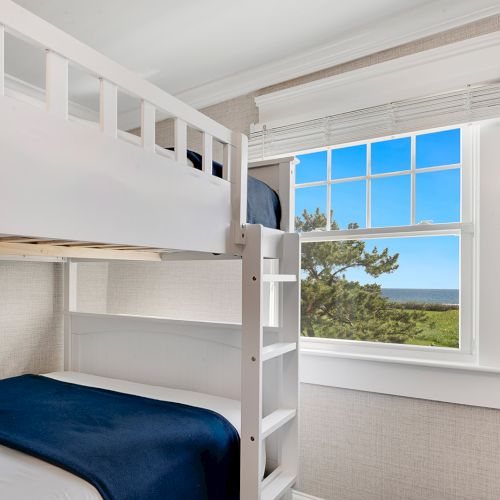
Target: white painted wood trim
(298, 495)
(274, 350)
(460, 383)
(148, 126)
(277, 419)
(387, 232)
(144, 320)
(279, 278)
(239, 187)
(180, 138)
(197, 356)
(207, 157)
(277, 485)
(108, 108)
(56, 78)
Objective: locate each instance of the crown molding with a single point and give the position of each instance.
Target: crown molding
(447, 68)
(417, 59)
(427, 20)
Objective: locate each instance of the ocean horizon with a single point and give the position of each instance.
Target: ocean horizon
(427, 295)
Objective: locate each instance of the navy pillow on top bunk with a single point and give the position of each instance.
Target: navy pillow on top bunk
(263, 204)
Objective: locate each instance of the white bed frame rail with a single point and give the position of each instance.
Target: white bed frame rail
(53, 144)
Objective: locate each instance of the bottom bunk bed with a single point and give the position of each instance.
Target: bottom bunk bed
(231, 391)
(120, 439)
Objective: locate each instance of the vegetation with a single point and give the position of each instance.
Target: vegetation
(335, 307)
(440, 329)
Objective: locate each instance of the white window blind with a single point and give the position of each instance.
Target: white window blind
(473, 103)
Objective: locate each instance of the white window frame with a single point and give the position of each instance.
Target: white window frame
(464, 229)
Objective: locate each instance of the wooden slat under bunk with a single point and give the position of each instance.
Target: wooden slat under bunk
(43, 247)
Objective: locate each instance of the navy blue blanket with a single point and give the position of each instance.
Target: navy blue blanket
(128, 447)
(263, 204)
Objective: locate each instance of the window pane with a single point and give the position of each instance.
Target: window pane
(391, 156)
(349, 162)
(438, 148)
(391, 201)
(349, 204)
(312, 167)
(438, 196)
(408, 296)
(311, 199)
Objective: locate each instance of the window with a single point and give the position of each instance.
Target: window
(387, 242)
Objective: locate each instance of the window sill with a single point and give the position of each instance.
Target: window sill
(453, 382)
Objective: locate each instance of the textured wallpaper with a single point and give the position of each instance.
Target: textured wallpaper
(364, 446)
(194, 290)
(31, 321)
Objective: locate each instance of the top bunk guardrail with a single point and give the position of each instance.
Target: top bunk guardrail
(62, 49)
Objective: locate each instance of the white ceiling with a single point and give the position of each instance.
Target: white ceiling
(206, 51)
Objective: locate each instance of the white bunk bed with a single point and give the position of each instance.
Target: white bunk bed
(73, 192)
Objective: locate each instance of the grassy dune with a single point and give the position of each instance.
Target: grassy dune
(440, 329)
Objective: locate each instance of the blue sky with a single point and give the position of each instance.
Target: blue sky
(425, 262)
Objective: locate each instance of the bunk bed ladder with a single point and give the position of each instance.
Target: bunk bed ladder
(282, 423)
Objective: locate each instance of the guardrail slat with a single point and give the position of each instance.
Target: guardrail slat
(180, 141)
(148, 126)
(108, 108)
(56, 83)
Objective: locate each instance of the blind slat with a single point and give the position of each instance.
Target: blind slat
(450, 108)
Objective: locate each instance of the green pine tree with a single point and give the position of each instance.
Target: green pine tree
(335, 307)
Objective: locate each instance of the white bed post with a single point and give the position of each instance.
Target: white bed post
(56, 77)
(2, 59)
(108, 108)
(239, 189)
(251, 365)
(70, 304)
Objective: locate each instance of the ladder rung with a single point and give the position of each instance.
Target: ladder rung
(276, 484)
(275, 420)
(282, 278)
(278, 349)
